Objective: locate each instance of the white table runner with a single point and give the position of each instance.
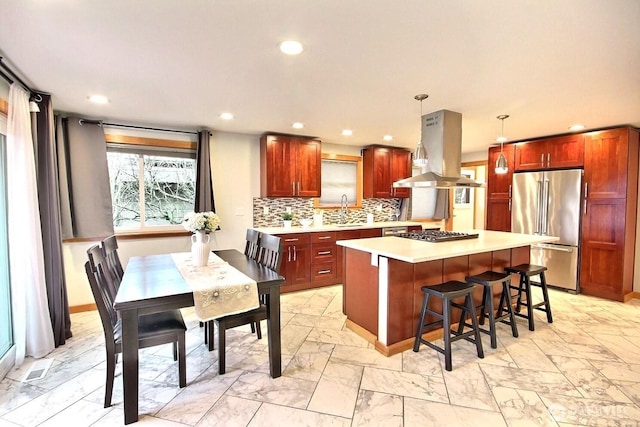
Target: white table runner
(218, 288)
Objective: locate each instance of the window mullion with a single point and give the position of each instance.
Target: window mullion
(141, 189)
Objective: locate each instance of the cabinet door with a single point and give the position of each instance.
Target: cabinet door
(376, 172)
(602, 260)
(565, 152)
(400, 169)
(308, 166)
(531, 155)
(296, 264)
(498, 216)
(606, 156)
(499, 185)
(279, 164)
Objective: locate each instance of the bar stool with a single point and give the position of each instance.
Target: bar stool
(526, 271)
(488, 279)
(447, 292)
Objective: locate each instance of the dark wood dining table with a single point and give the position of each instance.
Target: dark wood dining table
(152, 283)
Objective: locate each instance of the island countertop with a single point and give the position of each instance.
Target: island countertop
(415, 251)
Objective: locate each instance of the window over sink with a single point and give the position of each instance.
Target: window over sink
(341, 174)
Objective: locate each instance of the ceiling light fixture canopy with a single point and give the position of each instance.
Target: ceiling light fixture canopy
(502, 166)
(420, 156)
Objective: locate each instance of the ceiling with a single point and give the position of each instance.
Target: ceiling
(548, 64)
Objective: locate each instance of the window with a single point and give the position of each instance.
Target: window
(152, 181)
(340, 175)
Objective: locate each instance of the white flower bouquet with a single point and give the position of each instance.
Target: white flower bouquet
(201, 221)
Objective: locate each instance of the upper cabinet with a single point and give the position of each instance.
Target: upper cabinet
(290, 166)
(550, 153)
(382, 166)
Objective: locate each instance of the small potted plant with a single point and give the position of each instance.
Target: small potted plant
(287, 217)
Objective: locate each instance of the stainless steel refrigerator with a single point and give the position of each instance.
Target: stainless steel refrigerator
(548, 203)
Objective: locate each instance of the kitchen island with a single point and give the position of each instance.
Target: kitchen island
(383, 277)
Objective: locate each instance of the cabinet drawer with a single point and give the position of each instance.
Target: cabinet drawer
(323, 237)
(325, 272)
(294, 239)
(323, 252)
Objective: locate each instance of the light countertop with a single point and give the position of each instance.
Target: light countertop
(337, 227)
(415, 251)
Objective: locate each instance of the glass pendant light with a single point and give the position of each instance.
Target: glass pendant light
(420, 156)
(501, 164)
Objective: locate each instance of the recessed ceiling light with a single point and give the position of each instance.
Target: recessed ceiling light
(226, 116)
(387, 138)
(297, 125)
(576, 127)
(99, 99)
(291, 47)
(347, 132)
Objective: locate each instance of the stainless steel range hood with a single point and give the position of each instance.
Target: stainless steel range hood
(442, 137)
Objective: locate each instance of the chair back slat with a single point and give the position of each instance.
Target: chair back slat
(110, 247)
(102, 292)
(252, 246)
(270, 251)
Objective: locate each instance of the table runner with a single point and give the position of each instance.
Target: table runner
(218, 288)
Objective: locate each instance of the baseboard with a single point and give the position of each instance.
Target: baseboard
(82, 307)
(635, 295)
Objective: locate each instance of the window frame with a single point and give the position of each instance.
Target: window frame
(344, 158)
(114, 140)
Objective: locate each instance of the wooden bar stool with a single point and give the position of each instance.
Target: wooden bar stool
(489, 279)
(447, 292)
(526, 271)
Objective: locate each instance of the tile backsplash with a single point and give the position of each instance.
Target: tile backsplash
(303, 208)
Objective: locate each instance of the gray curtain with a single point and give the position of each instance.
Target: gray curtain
(85, 195)
(204, 184)
(49, 200)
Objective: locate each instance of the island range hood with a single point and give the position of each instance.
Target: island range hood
(442, 137)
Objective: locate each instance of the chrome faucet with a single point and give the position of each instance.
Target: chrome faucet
(344, 210)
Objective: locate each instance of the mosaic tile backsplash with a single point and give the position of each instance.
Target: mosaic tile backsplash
(303, 208)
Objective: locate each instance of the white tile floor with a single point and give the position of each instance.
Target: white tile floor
(584, 369)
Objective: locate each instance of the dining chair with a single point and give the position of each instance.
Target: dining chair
(153, 329)
(110, 247)
(270, 256)
(251, 249)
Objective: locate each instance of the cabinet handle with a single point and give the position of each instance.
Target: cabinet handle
(295, 255)
(542, 159)
(289, 256)
(548, 159)
(584, 207)
(324, 271)
(298, 188)
(324, 252)
(509, 205)
(293, 188)
(586, 190)
(509, 190)
(324, 237)
(292, 239)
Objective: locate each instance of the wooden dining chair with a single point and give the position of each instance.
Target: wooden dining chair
(153, 329)
(110, 247)
(270, 256)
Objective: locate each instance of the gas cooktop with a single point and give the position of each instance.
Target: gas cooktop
(435, 236)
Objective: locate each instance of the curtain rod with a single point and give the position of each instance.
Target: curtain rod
(149, 128)
(12, 77)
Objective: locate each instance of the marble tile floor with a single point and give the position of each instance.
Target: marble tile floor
(584, 369)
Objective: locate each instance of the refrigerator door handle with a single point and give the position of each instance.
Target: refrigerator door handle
(545, 206)
(552, 247)
(538, 212)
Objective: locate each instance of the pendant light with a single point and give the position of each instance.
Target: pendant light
(501, 164)
(420, 157)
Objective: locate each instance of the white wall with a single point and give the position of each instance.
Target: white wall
(235, 160)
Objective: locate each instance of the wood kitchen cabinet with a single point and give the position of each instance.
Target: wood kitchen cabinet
(609, 215)
(550, 153)
(296, 261)
(382, 166)
(323, 258)
(290, 166)
(498, 207)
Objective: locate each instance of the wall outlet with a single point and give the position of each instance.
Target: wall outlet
(379, 207)
(265, 210)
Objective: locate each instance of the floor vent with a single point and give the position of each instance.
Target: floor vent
(37, 370)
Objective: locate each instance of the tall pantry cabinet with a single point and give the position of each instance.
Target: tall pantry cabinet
(498, 211)
(609, 215)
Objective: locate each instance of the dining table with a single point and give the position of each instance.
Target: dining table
(153, 283)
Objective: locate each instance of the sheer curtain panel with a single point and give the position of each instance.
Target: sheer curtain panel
(48, 196)
(33, 334)
(85, 195)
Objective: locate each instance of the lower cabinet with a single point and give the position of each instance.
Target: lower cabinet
(312, 260)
